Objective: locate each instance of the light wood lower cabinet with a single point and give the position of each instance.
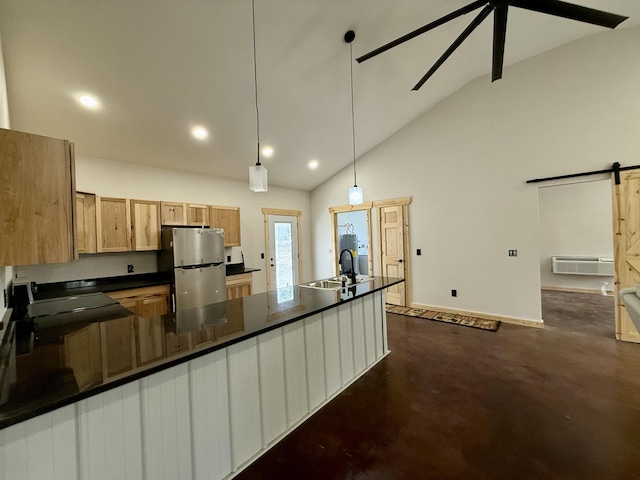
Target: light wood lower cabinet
(239, 285)
(144, 302)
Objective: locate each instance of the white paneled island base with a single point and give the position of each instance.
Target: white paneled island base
(210, 416)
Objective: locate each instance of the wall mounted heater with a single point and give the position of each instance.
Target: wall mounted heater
(600, 266)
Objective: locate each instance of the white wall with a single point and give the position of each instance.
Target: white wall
(120, 179)
(575, 219)
(465, 163)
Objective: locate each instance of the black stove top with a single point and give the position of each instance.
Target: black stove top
(77, 303)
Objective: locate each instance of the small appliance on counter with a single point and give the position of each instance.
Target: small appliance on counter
(195, 259)
(21, 296)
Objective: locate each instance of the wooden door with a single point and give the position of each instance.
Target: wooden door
(626, 246)
(145, 226)
(82, 354)
(113, 222)
(86, 222)
(393, 250)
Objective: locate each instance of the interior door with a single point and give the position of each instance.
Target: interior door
(393, 250)
(283, 252)
(626, 246)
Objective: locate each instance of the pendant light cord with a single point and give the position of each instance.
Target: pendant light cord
(353, 121)
(255, 75)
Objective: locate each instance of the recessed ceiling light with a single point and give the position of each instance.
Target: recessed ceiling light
(313, 164)
(199, 132)
(267, 151)
(89, 101)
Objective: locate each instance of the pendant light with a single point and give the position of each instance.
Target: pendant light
(355, 192)
(257, 173)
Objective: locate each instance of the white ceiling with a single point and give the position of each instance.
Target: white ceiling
(161, 66)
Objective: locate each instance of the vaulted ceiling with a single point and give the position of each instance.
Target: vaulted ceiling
(160, 67)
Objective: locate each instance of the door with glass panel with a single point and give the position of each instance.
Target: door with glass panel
(283, 251)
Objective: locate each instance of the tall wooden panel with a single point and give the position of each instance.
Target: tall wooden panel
(626, 247)
(315, 361)
(272, 385)
(37, 203)
(210, 416)
(244, 398)
(167, 424)
(332, 364)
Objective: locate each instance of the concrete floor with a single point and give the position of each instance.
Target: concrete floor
(452, 402)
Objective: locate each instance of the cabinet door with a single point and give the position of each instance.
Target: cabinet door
(37, 204)
(145, 226)
(197, 215)
(86, 222)
(82, 354)
(227, 218)
(113, 221)
(239, 286)
(173, 213)
(153, 306)
(118, 344)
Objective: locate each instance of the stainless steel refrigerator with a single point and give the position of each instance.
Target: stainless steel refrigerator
(195, 258)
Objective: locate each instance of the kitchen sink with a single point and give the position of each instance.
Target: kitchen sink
(333, 283)
(324, 284)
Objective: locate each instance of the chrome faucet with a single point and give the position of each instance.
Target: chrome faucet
(353, 267)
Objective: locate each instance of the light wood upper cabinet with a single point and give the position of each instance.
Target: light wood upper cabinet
(174, 213)
(113, 222)
(37, 204)
(227, 218)
(145, 226)
(86, 222)
(197, 215)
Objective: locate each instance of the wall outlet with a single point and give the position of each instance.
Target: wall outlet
(419, 251)
(513, 253)
(228, 258)
(129, 268)
(262, 256)
(454, 293)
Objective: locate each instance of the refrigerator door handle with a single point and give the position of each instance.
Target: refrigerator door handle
(173, 302)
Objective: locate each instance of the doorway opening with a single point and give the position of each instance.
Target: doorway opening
(575, 220)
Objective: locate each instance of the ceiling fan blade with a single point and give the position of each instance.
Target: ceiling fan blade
(467, 31)
(499, 37)
(572, 11)
(430, 26)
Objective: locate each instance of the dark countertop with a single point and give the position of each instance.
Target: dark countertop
(60, 369)
(112, 284)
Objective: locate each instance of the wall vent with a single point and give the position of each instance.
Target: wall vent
(601, 266)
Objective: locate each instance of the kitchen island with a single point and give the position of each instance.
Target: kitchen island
(196, 395)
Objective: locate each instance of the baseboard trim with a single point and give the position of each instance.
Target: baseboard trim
(484, 316)
(576, 290)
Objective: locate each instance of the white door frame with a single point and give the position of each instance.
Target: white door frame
(285, 213)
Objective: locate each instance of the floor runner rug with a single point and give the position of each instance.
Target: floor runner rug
(455, 318)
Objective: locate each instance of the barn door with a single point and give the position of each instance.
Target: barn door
(626, 246)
